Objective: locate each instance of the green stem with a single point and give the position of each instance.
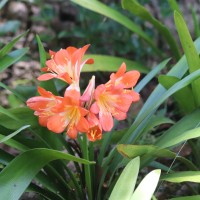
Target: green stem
(88, 181)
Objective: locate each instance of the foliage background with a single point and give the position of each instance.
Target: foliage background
(62, 23)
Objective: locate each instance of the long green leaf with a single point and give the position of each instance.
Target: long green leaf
(13, 134)
(147, 186)
(23, 116)
(41, 52)
(190, 52)
(43, 192)
(195, 21)
(181, 137)
(179, 130)
(5, 50)
(186, 104)
(5, 157)
(8, 114)
(157, 98)
(19, 173)
(111, 63)
(13, 91)
(178, 177)
(127, 178)
(134, 7)
(176, 87)
(48, 85)
(13, 143)
(196, 197)
(178, 70)
(11, 58)
(174, 5)
(147, 151)
(97, 6)
(143, 116)
(151, 75)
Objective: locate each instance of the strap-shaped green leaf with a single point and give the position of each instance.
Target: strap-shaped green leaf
(5, 50)
(13, 143)
(111, 64)
(13, 134)
(151, 75)
(196, 197)
(19, 173)
(147, 186)
(196, 21)
(41, 51)
(48, 85)
(11, 58)
(181, 137)
(181, 131)
(190, 52)
(126, 183)
(186, 105)
(17, 117)
(134, 7)
(176, 87)
(178, 177)
(97, 6)
(148, 151)
(174, 5)
(13, 91)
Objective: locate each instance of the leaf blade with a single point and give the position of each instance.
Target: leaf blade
(25, 169)
(127, 177)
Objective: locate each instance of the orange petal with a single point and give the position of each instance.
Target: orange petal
(99, 90)
(72, 132)
(83, 111)
(119, 115)
(94, 108)
(37, 103)
(45, 77)
(71, 50)
(89, 61)
(130, 78)
(134, 95)
(44, 69)
(121, 70)
(72, 97)
(52, 53)
(65, 77)
(88, 93)
(94, 133)
(57, 123)
(106, 121)
(44, 92)
(82, 125)
(52, 66)
(43, 121)
(61, 58)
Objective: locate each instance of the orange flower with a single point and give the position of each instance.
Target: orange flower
(66, 64)
(110, 103)
(95, 131)
(69, 114)
(126, 80)
(114, 99)
(43, 105)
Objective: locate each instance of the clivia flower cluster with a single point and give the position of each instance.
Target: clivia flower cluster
(91, 112)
